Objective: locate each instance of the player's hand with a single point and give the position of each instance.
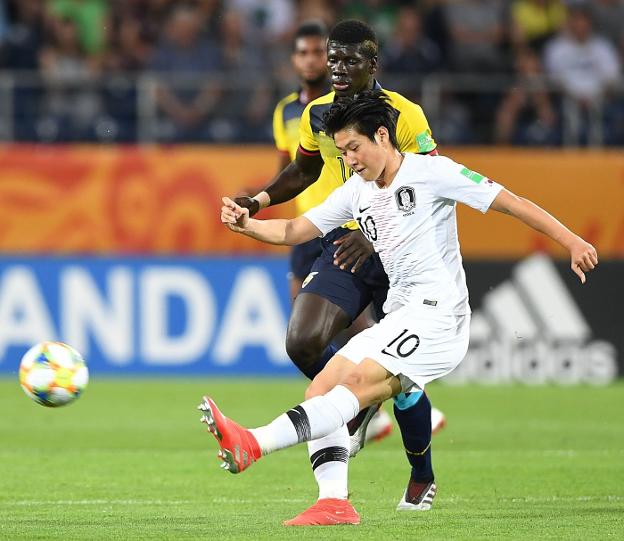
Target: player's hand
(353, 250)
(234, 216)
(248, 203)
(583, 258)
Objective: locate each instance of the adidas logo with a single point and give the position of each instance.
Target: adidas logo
(529, 329)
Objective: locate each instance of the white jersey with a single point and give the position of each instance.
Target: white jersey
(412, 225)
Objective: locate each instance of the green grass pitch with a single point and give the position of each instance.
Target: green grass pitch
(130, 460)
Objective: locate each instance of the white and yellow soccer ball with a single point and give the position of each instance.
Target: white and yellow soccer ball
(53, 374)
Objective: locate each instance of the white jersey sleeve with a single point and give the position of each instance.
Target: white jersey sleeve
(451, 180)
(336, 210)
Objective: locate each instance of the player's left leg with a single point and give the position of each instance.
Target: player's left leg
(329, 301)
(351, 387)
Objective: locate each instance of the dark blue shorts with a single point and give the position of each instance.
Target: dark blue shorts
(302, 257)
(353, 292)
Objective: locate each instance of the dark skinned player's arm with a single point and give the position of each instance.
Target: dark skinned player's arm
(290, 182)
(284, 161)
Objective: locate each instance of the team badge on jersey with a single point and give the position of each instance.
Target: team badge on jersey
(405, 198)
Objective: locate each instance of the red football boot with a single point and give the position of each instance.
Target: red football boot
(326, 512)
(239, 448)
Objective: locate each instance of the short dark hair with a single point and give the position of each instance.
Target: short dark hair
(310, 29)
(365, 113)
(353, 31)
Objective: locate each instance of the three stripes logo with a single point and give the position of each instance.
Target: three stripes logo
(530, 329)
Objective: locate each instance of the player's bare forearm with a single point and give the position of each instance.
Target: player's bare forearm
(269, 231)
(583, 255)
(534, 216)
(291, 181)
(285, 232)
(277, 231)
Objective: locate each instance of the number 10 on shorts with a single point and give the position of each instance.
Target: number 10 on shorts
(402, 346)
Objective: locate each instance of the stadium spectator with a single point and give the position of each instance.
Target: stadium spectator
(153, 15)
(435, 26)
(534, 22)
(191, 96)
(266, 21)
(527, 115)
(380, 14)
(90, 18)
(586, 66)
(477, 32)
(409, 50)
(71, 101)
(244, 113)
(4, 22)
(320, 10)
(25, 36)
(128, 49)
(454, 124)
(609, 18)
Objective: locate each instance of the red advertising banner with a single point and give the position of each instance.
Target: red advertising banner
(166, 200)
(158, 200)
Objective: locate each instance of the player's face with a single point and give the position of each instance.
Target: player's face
(365, 157)
(310, 59)
(350, 68)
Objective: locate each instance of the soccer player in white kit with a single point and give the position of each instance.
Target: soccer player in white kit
(405, 205)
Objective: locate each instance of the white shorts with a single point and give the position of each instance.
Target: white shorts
(418, 346)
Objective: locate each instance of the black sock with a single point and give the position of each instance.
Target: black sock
(413, 414)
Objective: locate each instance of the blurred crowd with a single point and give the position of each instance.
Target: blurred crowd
(524, 72)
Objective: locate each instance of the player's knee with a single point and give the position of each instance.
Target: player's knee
(368, 390)
(303, 348)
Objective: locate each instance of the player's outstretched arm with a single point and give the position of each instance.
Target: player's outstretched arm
(288, 232)
(583, 256)
(290, 182)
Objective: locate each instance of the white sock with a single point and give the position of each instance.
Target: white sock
(313, 419)
(329, 457)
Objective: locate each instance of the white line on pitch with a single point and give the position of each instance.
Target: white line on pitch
(449, 499)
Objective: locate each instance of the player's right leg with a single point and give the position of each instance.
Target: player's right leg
(310, 347)
(330, 300)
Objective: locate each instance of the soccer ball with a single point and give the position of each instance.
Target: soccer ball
(53, 374)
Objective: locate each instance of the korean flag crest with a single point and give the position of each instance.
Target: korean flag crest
(405, 198)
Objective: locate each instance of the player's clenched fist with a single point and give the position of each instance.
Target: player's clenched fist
(235, 217)
(583, 257)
